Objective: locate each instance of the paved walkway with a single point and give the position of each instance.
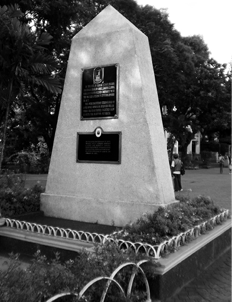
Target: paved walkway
(5, 261)
(213, 285)
(209, 182)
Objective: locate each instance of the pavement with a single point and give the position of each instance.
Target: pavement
(214, 284)
(5, 262)
(208, 182)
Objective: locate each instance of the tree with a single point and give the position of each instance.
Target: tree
(193, 87)
(24, 62)
(217, 122)
(62, 19)
(203, 102)
(58, 18)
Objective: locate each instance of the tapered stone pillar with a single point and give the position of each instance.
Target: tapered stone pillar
(81, 185)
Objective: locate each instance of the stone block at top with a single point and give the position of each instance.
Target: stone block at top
(108, 20)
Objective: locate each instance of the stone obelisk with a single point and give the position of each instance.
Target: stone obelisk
(109, 162)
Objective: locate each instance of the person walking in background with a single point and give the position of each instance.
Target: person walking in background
(176, 167)
(221, 163)
(229, 164)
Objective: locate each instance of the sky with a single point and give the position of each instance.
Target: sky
(207, 18)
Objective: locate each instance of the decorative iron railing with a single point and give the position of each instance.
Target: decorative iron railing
(154, 251)
(109, 280)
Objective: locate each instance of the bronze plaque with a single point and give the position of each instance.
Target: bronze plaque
(99, 96)
(103, 148)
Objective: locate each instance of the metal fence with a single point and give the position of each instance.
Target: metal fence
(154, 251)
(111, 280)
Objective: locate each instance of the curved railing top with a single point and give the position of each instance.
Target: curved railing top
(154, 251)
(111, 279)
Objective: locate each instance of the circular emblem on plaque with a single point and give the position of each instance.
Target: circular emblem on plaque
(98, 132)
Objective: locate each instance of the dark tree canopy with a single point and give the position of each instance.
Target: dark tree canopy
(193, 88)
(25, 64)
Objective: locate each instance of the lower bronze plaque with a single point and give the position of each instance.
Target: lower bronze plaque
(99, 147)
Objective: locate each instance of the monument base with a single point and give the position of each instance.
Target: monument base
(180, 268)
(108, 212)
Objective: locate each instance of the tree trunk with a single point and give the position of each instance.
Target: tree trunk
(171, 143)
(184, 153)
(5, 125)
(57, 109)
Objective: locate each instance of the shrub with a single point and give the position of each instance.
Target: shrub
(169, 221)
(33, 161)
(15, 199)
(43, 279)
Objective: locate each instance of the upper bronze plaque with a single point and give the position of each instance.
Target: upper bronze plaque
(99, 97)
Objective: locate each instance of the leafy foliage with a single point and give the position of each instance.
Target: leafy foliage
(15, 199)
(169, 221)
(196, 86)
(23, 57)
(45, 278)
(35, 161)
(24, 63)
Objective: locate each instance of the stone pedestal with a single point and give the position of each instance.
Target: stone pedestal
(110, 193)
